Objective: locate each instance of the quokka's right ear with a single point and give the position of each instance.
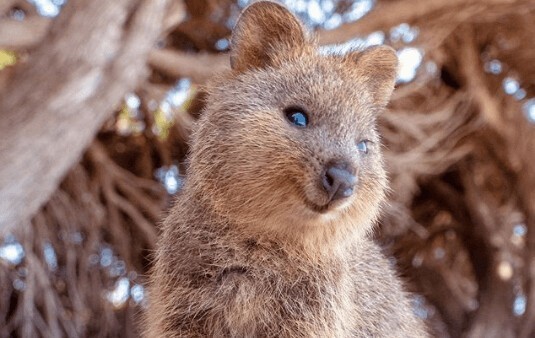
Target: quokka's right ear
(266, 32)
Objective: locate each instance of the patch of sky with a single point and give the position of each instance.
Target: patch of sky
(510, 85)
(17, 14)
(132, 101)
(520, 94)
(358, 9)
(124, 287)
(519, 232)
(520, 229)
(417, 260)
(233, 16)
(373, 39)
(117, 268)
(529, 110)
(410, 59)
(137, 292)
(327, 6)
(50, 256)
(11, 250)
(120, 293)
(333, 21)
(175, 97)
(106, 257)
(222, 44)
(315, 13)
(48, 8)
(129, 119)
(179, 93)
(493, 67)
(431, 67)
(112, 263)
(243, 3)
(439, 253)
(519, 305)
(18, 284)
(404, 32)
(419, 308)
(169, 176)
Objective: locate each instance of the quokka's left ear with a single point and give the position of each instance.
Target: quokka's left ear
(265, 32)
(377, 65)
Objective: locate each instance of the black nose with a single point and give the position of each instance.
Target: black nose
(339, 180)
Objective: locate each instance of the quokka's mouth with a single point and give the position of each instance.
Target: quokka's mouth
(321, 209)
(327, 207)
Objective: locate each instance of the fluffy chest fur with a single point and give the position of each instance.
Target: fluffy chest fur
(216, 282)
(228, 285)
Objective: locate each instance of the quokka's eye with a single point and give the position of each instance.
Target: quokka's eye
(296, 116)
(362, 146)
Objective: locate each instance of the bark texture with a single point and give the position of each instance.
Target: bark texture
(56, 101)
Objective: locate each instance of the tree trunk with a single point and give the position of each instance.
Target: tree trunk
(56, 102)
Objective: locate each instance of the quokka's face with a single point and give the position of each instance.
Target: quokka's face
(292, 140)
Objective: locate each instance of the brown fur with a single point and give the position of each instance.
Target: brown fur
(246, 252)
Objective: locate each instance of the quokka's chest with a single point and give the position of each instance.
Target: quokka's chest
(320, 296)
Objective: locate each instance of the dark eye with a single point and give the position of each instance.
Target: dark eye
(296, 116)
(362, 146)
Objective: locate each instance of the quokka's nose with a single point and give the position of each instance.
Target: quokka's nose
(339, 180)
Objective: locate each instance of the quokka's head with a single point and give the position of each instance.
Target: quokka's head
(288, 139)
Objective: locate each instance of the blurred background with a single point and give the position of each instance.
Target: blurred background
(97, 100)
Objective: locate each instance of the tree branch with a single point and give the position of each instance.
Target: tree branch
(16, 34)
(198, 67)
(471, 69)
(387, 14)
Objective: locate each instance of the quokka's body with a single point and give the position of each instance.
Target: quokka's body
(270, 235)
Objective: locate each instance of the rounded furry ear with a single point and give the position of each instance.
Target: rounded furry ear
(378, 66)
(265, 31)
